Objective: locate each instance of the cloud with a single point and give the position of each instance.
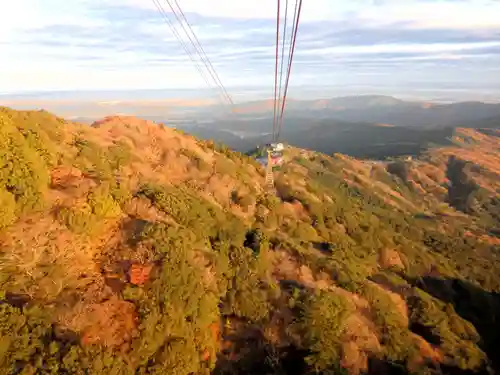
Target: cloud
(396, 47)
(471, 15)
(476, 14)
(114, 44)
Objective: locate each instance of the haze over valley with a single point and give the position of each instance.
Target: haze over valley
(373, 126)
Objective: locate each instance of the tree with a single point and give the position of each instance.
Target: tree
(322, 323)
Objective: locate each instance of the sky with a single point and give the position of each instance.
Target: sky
(349, 46)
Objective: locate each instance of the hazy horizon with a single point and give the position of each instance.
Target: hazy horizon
(169, 105)
(241, 95)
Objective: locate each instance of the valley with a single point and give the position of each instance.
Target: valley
(364, 126)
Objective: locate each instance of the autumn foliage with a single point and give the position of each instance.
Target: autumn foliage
(130, 248)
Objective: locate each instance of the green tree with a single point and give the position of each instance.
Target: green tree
(23, 171)
(176, 309)
(7, 208)
(322, 324)
(250, 288)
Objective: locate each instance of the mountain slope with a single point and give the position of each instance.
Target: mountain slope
(367, 140)
(361, 126)
(380, 109)
(443, 115)
(129, 247)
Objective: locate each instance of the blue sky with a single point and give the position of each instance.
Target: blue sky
(353, 45)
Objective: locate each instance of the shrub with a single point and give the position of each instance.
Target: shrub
(93, 159)
(304, 232)
(351, 264)
(102, 203)
(79, 220)
(191, 211)
(322, 325)
(7, 208)
(120, 193)
(400, 169)
(23, 171)
(396, 339)
(176, 308)
(23, 338)
(269, 219)
(458, 337)
(224, 166)
(268, 200)
(285, 191)
(256, 240)
(250, 288)
(119, 155)
(244, 201)
(30, 345)
(463, 189)
(86, 218)
(42, 132)
(196, 160)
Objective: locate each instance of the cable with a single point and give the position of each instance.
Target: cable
(294, 23)
(283, 52)
(179, 39)
(167, 20)
(276, 71)
(205, 60)
(290, 66)
(203, 51)
(289, 61)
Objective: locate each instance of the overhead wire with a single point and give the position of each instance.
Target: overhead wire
(217, 78)
(290, 45)
(282, 56)
(279, 101)
(292, 50)
(221, 90)
(198, 48)
(276, 73)
(167, 20)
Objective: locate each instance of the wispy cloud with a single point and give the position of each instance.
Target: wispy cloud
(124, 44)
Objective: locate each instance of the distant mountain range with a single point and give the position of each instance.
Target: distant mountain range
(363, 126)
(379, 109)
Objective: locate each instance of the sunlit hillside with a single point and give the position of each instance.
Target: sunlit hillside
(128, 247)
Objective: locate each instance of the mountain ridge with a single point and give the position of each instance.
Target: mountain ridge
(359, 101)
(69, 107)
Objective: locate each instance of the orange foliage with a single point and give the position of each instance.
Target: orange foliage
(111, 323)
(139, 273)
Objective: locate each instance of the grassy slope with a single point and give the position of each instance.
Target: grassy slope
(128, 247)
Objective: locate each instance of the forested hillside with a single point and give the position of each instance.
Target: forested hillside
(130, 248)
